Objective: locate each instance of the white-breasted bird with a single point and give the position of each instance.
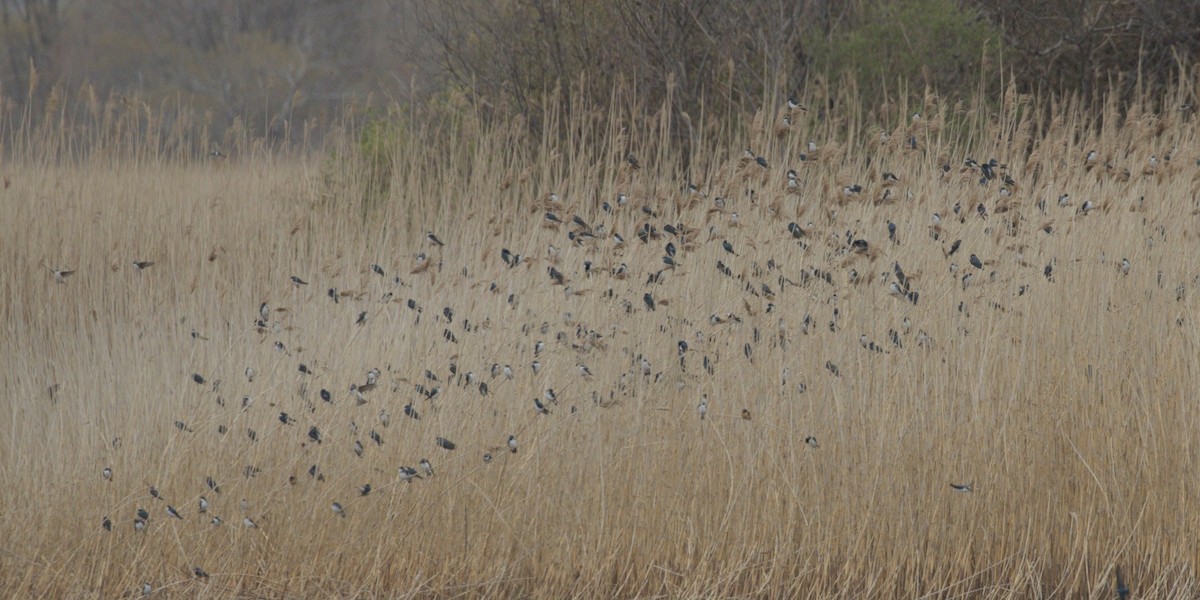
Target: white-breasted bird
(512, 444)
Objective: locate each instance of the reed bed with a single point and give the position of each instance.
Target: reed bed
(1064, 399)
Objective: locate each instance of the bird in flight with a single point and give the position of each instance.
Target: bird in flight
(61, 275)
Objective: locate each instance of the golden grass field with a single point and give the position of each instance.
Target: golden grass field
(1068, 403)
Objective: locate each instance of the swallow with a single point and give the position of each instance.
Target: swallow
(61, 275)
(106, 523)
(203, 505)
(337, 509)
(762, 162)
(216, 521)
(728, 247)
(433, 239)
(139, 525)
(445, 443)
(408, 474)
(812, 442)
(512, 444)
(314, 434)
(264, 312)
(376, 269)
(964, 488)
(286, 419)
(648, 298)
(107, 473)
(746, 414)
(212, 484)
(142, 265)
(358, 448)
(702, 409)
(584, 371)
(539, 407)
(975, 262)
(201, 573)
(249, 523)
(411, 412)
(487, 457)
(632, 161)
(296, 281)
(174, 513)
(375, 437)
(364, 489)
(427, 467)
(362, 318)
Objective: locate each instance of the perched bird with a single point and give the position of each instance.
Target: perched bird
(433, 239)
(106, 523)
(975, 262)
(107, 473)
(539, 407)
(337, 509)
(249, 523)
(964, 488)
(408, 474)
(296, 281)
(201, 573)
(512, 444)
(364, 489)
(427, 467)
(142, 265)
(203, 504)
(172, 512)
(703, 407)
(812, 442)
(445, 443)
(746, 414)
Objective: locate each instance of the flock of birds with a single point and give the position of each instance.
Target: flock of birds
(592, 249)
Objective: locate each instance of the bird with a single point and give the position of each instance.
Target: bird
(1125, 266)
(61, 275)
(512, 444)
(487, 457)
(539, 407)
(249, 523)
(106, 523)
(107, 473)
(975, 262)
(408, 474)
(203, 505)
(445, 443)
(201, 573)
(142, 265)
(426, 467)
(216, 521)
(703, 407)
(648, 298)
(964, 488)
(746, 414)
(433, 239)
(174, 513)
(296, 281)
(337, 509)
(812, 441)
(364, 489)
(139, 525)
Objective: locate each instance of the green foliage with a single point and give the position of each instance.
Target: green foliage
(377, 143)
(922, 42)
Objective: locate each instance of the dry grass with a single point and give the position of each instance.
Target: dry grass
(1069, 407)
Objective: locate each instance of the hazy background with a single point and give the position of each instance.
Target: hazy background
(284, 70)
